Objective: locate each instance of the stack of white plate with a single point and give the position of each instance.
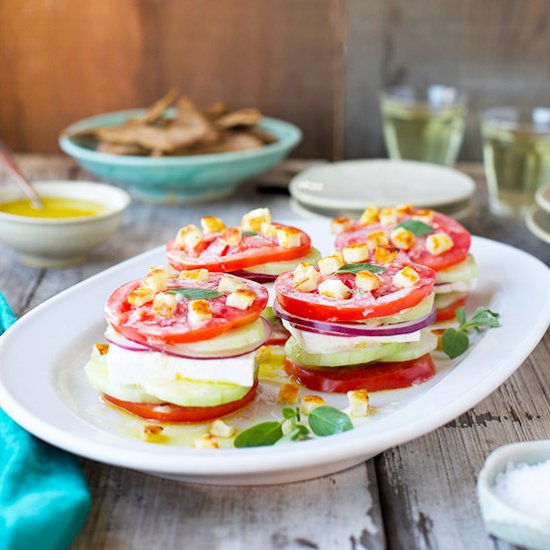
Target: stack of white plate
(538, 216)
(347, 188)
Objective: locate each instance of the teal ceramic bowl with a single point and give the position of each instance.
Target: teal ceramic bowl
(181, 179)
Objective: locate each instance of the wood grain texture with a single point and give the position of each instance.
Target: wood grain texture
(420, 495)
(65, 60)
(496, 50)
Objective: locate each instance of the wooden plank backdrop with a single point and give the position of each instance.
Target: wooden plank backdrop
(317, 63)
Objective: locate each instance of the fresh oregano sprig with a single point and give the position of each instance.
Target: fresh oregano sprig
(456, 341)
(196, 293)
(322, 421)
(356, 268)
(416, 226)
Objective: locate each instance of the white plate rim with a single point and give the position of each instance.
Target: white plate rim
(321, 202)
(532, 224)
(319, 452)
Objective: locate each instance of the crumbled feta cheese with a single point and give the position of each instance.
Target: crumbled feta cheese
(231, 236)
(334, 288)
(212, 224)
(101, 349)
(377, 238)
(425, 216)
(385, 254)
(366, 281)
(254, 219)
(289, 394)
(339, 225)
(404, 209)
(189, 236)
(152, 433)
(369, 215)
(199, 275)
(358, 403)
(140, 296)
(402, 238)
(289, 237)
(241, 299)
(269, 230)
(157, 278)
(230, 283)
(219, 428)
(207, 441)
(406, 277)
(310, 402)
(164, 304)
(330, 264)
(388, 216)
(437, 243)
(199, 312)
(356, 253)
(305, 278)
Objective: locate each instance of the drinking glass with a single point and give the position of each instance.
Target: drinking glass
(425, 124)
(516, 155)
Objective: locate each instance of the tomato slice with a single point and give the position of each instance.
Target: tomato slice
(175, 413)
(418, 254)
(142, 325)
(371, 377)
(448, 313)
(216, 255)
(388, 299)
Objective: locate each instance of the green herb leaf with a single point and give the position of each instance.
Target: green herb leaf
(356, 268)
(248, 233)
(299, 433)
(484, 317)
(460, 315)
(454, 342)
(289, 413)
(417, 227)
(260, 435)
(328, 420)
(196, 293)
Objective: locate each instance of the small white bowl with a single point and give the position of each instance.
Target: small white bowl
(500, 518)
(61, 242)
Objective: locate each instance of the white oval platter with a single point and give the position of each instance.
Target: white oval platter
(43, 387)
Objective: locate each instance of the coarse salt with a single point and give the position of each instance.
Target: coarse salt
(525, 487)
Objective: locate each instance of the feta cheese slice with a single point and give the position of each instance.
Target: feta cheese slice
(189, 236)
(356, 253)
(334, 288)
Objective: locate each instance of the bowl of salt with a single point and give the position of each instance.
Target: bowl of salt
(514, 493)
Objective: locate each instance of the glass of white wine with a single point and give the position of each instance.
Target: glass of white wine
(516, 155)
(425, 124)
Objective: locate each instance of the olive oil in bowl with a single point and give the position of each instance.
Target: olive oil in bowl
(54, 207)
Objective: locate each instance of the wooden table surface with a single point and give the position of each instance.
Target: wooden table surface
(420, 495)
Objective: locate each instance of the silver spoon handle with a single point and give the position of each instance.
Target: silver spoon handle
(7, 160)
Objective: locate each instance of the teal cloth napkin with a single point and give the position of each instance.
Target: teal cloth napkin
(44, 499)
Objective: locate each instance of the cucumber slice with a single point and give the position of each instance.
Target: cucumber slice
(444, 300)
(187, 393)
(179, 392)
(98, 376)
(341, 358)
(235, 339)
(463, 271)
(413, 350)
(417, 312)
(276, 268)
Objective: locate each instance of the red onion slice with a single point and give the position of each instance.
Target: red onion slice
(117, 339)
(256, 277)
(354, 329)
(179, 350)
